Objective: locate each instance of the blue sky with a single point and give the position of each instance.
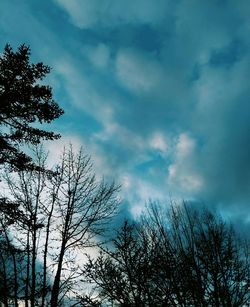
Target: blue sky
(156, 91)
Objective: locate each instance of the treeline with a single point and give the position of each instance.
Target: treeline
(56, 216)
(177, 257)
(46, 215)
(51, 220)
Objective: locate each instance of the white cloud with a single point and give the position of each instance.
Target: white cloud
(91, 13)
(82, 14)
(158, 142)
(183, 176)
(138, 192)
(98, 55)
(138, 72)
(56, 147)
(185, 146)
(82, 91)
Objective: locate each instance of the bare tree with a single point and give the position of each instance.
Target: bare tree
(49, 211)
(125, 275)
(27, 190)
(60, 214)
(182, 257)
(11, 264)
(83, 208)
(214, 258)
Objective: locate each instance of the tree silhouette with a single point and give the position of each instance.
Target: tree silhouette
(23, 103)
(215, 260)
(179, 258)
(60, 216)
(84, 207)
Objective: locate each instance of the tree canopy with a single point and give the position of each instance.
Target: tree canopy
(182, 258)
(24, 103)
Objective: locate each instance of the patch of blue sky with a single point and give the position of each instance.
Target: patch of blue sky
(153, 167)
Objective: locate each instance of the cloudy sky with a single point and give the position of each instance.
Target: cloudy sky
(156, 91)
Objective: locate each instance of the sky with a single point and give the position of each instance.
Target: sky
(156, 91)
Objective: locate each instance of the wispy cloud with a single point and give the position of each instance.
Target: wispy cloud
(88, 14)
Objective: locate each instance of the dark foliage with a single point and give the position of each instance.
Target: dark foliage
(23, 104)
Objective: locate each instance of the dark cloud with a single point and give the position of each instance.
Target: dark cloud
(229, 55)
(178, 70)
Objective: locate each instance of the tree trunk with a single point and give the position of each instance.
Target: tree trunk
(12, 252)
(56, 284)
(27, 271)
(5, 285)
(33, 269)
(44, 285)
